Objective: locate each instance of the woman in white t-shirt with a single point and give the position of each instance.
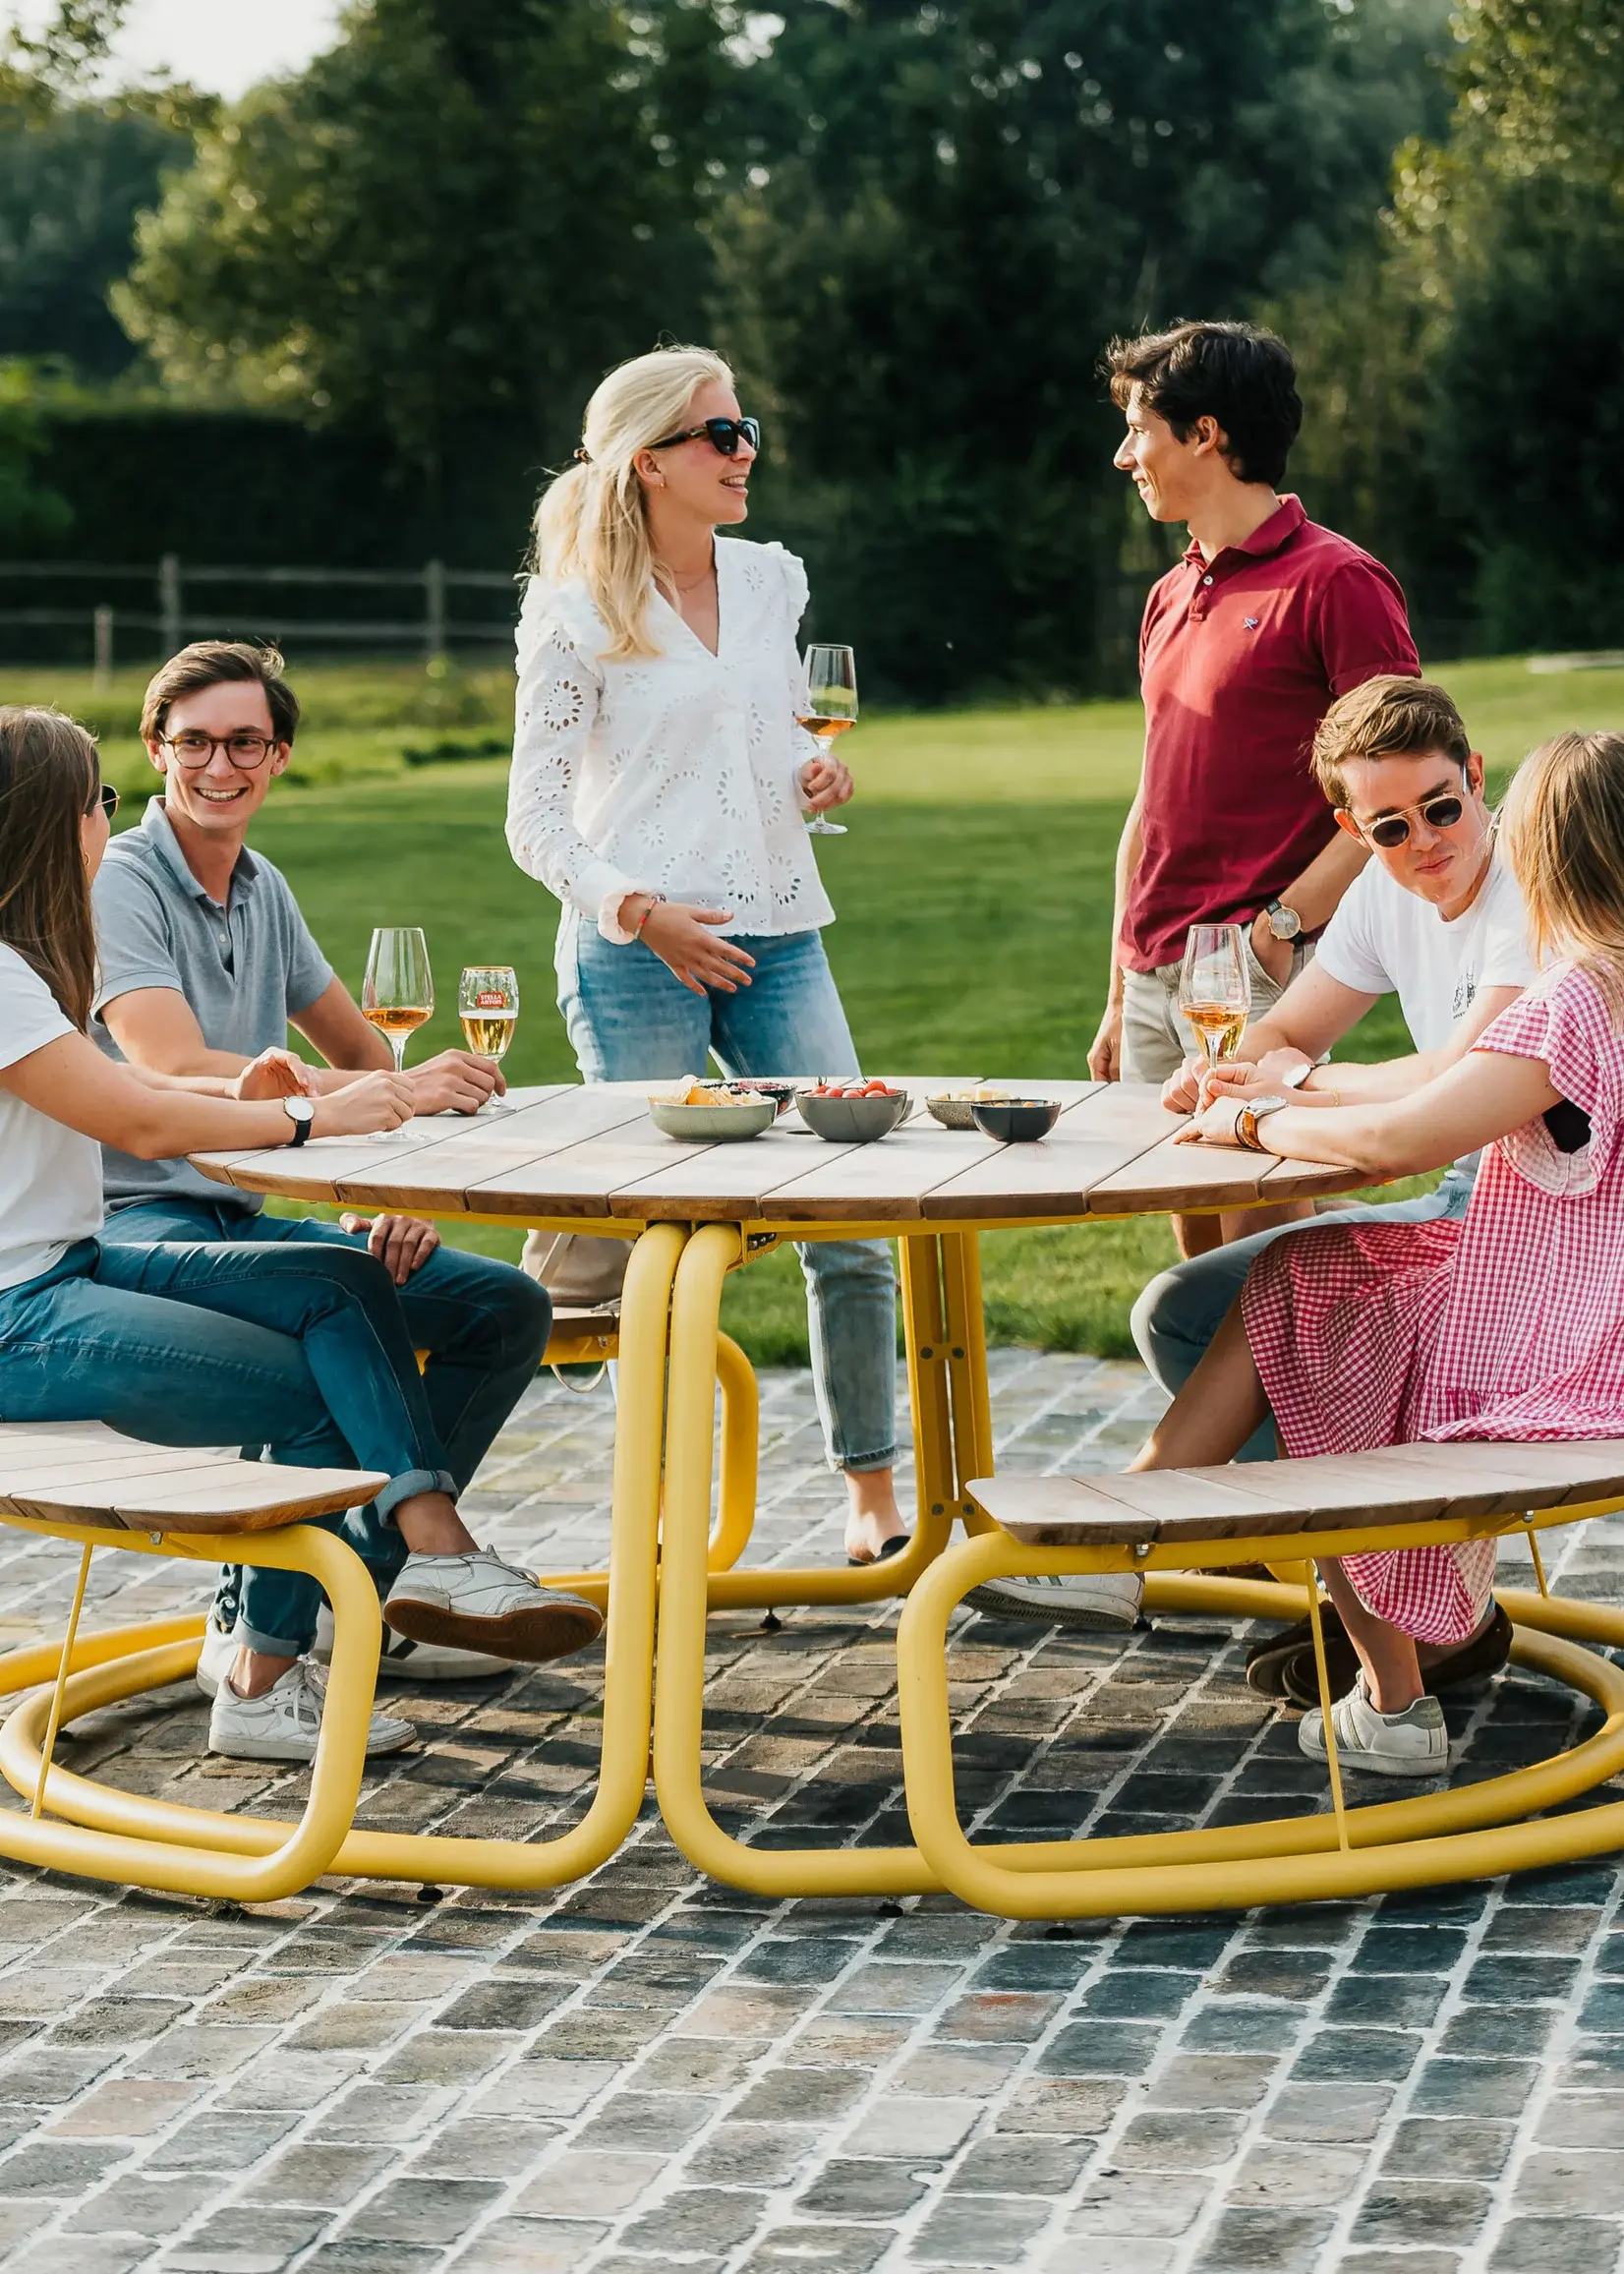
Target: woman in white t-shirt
(302, 1349)
(659, 790)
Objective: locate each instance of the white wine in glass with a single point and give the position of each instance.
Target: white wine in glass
(397, 994)
(828, 709)
(488, 1003)
(1216, 988)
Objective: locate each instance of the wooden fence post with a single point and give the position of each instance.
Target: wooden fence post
(433, 620)
(103, 675)
(169, 601)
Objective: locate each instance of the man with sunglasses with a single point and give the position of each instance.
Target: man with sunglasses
(1435, 918)
(203, 961)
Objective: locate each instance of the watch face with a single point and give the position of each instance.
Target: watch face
(299, 1108)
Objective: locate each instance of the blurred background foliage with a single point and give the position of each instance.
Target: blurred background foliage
(352, 318)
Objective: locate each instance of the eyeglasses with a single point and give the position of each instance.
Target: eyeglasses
(1393, 829)
(193, 748)
(724, 435)
(107, 798)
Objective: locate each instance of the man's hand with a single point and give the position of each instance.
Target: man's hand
(1274, 955)
(825, 782)
(1105, 1058)
(1217, 1125)
(1275, 1071)
(273, 1073)
(1181, 1092)
(454, 1083)
(404, 1243)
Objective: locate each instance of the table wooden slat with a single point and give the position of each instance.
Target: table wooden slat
(1102, 1133)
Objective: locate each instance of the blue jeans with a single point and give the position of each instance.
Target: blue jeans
(1181, 1310)
(631, 1020)
(300, 1349)
(484, 1327)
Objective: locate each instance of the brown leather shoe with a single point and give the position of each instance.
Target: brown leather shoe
(1266, 1661)
(1474, 1662)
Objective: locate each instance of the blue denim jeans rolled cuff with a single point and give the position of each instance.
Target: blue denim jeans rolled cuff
(1180, 1311)
(485, 1327)
(300, 1349)
(631, 1020)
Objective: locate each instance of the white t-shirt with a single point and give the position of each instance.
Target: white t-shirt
(1383, 941)
(51, 1177)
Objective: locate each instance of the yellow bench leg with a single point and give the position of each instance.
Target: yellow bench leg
(64, 1663)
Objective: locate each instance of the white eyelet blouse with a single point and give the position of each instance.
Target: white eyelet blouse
(675, 773)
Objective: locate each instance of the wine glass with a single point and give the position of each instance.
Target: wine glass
(828, 707)
(1216, 988)
(488, 1003)
(397, 992)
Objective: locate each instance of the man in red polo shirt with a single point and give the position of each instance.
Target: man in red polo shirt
(1243, 648)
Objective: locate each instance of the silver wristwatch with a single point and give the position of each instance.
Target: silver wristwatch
(301, 1111)
(1284, 923)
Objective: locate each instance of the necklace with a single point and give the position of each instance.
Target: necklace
(693, 582)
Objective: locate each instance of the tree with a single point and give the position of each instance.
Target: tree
(451, 224)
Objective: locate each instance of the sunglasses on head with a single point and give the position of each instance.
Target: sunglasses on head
(724, 435)
(1393, 829)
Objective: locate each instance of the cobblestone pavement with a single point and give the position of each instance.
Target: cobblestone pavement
(646, 2071)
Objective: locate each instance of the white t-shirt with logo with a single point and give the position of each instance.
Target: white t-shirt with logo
(51, 1177)
(1384, 941)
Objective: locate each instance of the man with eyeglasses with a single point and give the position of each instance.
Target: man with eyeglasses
(1436, 919)
(205, 960)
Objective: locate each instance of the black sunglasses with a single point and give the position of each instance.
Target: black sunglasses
(724, 435)
(107, 799)
(1393, 829)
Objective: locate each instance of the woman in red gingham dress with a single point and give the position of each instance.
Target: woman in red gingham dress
(1509, 1324)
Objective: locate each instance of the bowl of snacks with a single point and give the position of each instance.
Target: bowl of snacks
(776, 1086)
(1017, 1120)
(955, 1108)
(711, 1112)
(851, 1113)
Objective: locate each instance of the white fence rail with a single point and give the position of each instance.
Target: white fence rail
(184, 600)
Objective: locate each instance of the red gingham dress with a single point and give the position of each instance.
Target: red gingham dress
(1509, 1324)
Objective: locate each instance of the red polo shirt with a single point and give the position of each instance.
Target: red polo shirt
(1241, 658)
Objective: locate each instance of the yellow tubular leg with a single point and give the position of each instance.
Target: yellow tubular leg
(680, 1687)
(1317, 1627)
(1462, 1833)
(740, 1451)
(64, 1666)
(300, 1852)
(972, 1416)
(206, 1837)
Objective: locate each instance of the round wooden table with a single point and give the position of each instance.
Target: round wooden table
(589, 1159)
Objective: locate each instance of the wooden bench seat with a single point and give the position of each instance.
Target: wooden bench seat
(1425, 1483)
(84, 1473)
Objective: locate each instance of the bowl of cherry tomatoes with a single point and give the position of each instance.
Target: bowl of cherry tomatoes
(853, 1113)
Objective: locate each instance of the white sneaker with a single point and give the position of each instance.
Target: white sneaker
(214, 1659)
(284, 1725)
(1107, 1600)
(404, 1661)
(477, 1602)
(1414, 1743)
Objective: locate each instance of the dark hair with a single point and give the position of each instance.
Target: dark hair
(1235, 372)
(218, 663)
(1387, 717)
(50, 777)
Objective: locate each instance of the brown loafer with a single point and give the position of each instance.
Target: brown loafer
(1474, 1662)
(1266, 1661)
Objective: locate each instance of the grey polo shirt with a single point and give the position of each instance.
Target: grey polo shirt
(246, 970)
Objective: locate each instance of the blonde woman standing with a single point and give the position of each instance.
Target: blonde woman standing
(660, 789)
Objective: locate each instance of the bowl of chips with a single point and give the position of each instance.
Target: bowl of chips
(956, 1108)
(711, 1112)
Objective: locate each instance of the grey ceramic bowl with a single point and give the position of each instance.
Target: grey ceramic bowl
(712, 1124)
(851, 1121)
(1017, 1120)
(954, 1112)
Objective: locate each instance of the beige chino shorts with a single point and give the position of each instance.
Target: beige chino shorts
(1156, 1038)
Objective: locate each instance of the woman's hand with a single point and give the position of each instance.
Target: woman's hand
(273, 1073)
(376, 1101)
(825, 782)
(684, 939)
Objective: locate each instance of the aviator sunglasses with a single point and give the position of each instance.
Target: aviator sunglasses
(724, 435)
(1393, 829)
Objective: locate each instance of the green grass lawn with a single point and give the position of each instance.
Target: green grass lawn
(973, 890)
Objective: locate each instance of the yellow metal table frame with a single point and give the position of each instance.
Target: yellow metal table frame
(667, 1562)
